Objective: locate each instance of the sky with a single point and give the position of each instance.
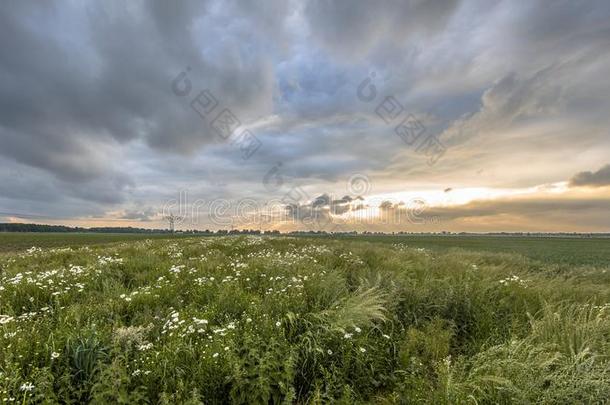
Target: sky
(416, 116)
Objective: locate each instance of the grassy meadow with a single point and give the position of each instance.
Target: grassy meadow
(244, 319)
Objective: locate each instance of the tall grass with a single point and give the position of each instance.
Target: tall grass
(286, 320)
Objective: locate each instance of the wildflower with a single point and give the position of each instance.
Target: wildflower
(362, 350)
(330, 352)
(54, 355)
(357, 329)
(5, 319)
(386, 336)
(278, 324)
(215, 355)
(249, 320)
(26, 387)
(348, 336)
(145, 346)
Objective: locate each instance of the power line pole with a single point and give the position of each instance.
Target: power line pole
(171, 218)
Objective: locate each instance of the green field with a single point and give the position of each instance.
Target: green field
(566, 250)
(245, 319)
(561, 250)
(19, 241)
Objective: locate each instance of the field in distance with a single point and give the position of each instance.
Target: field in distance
(561, 250)
(246, 319)
(20, 241)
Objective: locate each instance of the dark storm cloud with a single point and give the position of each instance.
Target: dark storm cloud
(322, 209)
(143, 215)
(599, 178)
(354, 27)
(99, 74)
(511, 100)
(89, 123)
(35, 192)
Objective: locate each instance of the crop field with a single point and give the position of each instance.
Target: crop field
(251, 319)
(21, 241)
(562, 250)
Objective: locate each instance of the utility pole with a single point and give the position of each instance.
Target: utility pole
(171, 218)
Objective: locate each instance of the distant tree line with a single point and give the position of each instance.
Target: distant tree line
(15, 227)
(18, 227)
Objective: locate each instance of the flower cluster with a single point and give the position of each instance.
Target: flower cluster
(513, 280)
(105, 260)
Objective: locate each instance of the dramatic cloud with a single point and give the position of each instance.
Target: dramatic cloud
(599, 178)
(140, 215)
(529, 212)
(78, 81)
(98, 100)
(354, 27)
